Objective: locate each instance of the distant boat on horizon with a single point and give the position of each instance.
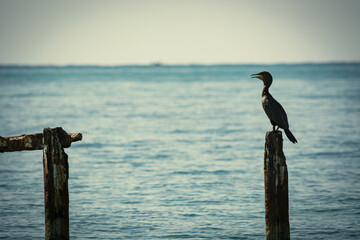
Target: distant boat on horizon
(156, 64)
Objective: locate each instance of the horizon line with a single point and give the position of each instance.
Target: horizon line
(162, 64)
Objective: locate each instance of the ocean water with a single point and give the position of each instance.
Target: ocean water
(176, 152)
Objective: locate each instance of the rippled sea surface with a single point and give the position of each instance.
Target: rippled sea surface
(176, 152)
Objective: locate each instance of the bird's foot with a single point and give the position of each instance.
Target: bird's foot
(276, 129)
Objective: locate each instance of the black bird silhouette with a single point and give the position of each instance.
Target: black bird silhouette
(273, 108)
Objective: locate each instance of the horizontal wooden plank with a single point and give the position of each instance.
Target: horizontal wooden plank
(28, 142)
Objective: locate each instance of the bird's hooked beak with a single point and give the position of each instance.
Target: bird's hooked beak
(257, 75)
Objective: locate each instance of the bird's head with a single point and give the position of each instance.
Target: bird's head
(263, 76)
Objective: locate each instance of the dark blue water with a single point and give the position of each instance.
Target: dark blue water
(176, 152)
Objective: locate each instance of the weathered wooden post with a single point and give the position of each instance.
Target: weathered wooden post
(56, 174)
(276, 188)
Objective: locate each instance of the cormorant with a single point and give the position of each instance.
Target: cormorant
(273, 108)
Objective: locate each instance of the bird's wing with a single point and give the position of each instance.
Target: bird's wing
(275, 112)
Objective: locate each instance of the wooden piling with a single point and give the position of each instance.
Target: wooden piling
(276, 188)
(56, 174)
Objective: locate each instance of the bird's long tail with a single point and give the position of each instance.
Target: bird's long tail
(290, 136)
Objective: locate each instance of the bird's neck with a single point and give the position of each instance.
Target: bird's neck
(265, 90)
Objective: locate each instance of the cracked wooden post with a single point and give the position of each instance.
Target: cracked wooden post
(276, 188)
(56, 174)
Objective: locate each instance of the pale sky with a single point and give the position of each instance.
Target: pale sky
(178, 32)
